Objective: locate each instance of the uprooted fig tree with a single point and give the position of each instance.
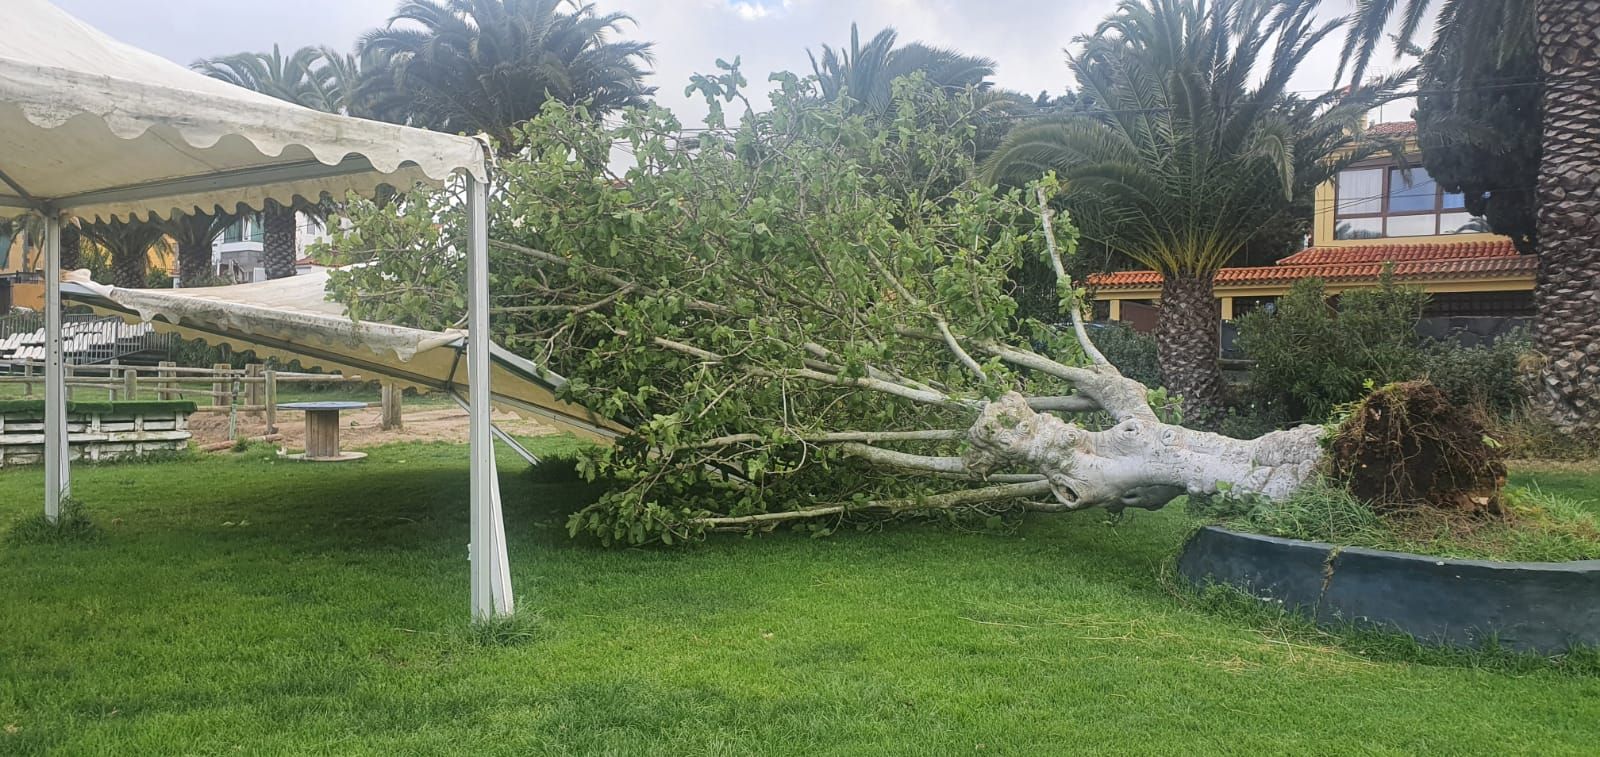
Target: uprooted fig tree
(807, 318)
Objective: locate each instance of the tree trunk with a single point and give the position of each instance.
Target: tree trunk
(71, 247)
(277, 241)
(1188, 344)
(194, 261)
(1567, 324)
(128, 267)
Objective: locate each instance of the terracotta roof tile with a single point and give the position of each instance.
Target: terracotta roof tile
(1392, 129)
(1508, 266)
(1383, 253)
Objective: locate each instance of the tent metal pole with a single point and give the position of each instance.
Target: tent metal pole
(57, 472)
(491, 581)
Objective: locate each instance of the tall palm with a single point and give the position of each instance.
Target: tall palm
(866, 73)
(312, 77)
(129, 244)
(1192, 148)
(1563, 37)
(486, 66)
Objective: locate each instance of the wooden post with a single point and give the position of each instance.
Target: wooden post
(166, 387)
(111, 375)
(391, 417)
(270, 399)
(219, 385)
(130, 383)
(27, 386)
(254, 392)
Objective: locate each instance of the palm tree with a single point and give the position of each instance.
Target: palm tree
(1563, 37)
(1182, 160)
(312, 77)
(196, 236)
(486, 66)
(129, 244)
(866, 73)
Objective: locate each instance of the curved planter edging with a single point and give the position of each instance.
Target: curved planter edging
(1546, 608)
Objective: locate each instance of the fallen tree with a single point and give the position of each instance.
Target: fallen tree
(807, 319)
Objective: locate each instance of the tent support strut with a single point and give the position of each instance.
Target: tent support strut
(57, 470)
(491, 574)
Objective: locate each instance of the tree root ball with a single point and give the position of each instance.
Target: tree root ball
(1407, 447)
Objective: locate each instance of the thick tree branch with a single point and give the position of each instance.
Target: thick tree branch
(1065, 281)
(960, 498)
(837, 437)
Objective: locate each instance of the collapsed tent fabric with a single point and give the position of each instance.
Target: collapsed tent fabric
(100, 129)
(293, 318)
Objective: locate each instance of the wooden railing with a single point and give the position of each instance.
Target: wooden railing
(251, 389)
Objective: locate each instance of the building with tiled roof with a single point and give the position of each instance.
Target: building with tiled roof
(1369, 217)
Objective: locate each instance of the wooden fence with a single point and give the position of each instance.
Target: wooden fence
(251, 389)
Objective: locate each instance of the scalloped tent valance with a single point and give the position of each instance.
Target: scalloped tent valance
(96, 128)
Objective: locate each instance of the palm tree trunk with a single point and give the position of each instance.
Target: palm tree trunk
(1188, 343)
(277, 241)
(71, 247)
(194, 261)
(1567, 325)
(128, 267)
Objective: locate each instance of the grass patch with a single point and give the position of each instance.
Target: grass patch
(71, 525)
(246, 604)
(1541, 526)
(520, 627)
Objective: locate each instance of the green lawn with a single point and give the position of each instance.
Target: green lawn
(245, 605)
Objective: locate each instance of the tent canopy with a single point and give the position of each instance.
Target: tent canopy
(93, 128)
(294, 318)
(98, 129)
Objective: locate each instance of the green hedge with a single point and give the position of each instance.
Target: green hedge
(36, 407)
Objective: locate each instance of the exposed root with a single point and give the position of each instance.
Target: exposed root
(1406, 448)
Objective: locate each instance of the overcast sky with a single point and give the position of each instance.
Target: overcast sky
(1026, 37)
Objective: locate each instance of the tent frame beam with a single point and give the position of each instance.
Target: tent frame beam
(305, 170)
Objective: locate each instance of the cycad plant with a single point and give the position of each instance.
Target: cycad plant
(866, 73)
(486, 66)
(128, 245)
(1193, 148)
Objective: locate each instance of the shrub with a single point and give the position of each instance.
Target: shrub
(1488, 377)
(1310, 358)
(1130, 351)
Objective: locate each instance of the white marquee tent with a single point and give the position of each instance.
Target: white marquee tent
(95, 129)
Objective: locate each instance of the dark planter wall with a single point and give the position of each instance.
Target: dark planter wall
(1535, 607)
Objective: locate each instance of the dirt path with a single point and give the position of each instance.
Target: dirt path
(360, 427)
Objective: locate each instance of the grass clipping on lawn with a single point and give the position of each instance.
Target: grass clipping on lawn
(1411, 472)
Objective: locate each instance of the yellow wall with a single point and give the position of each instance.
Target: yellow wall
(13, 260)
(28, 295)
(1227, 293)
